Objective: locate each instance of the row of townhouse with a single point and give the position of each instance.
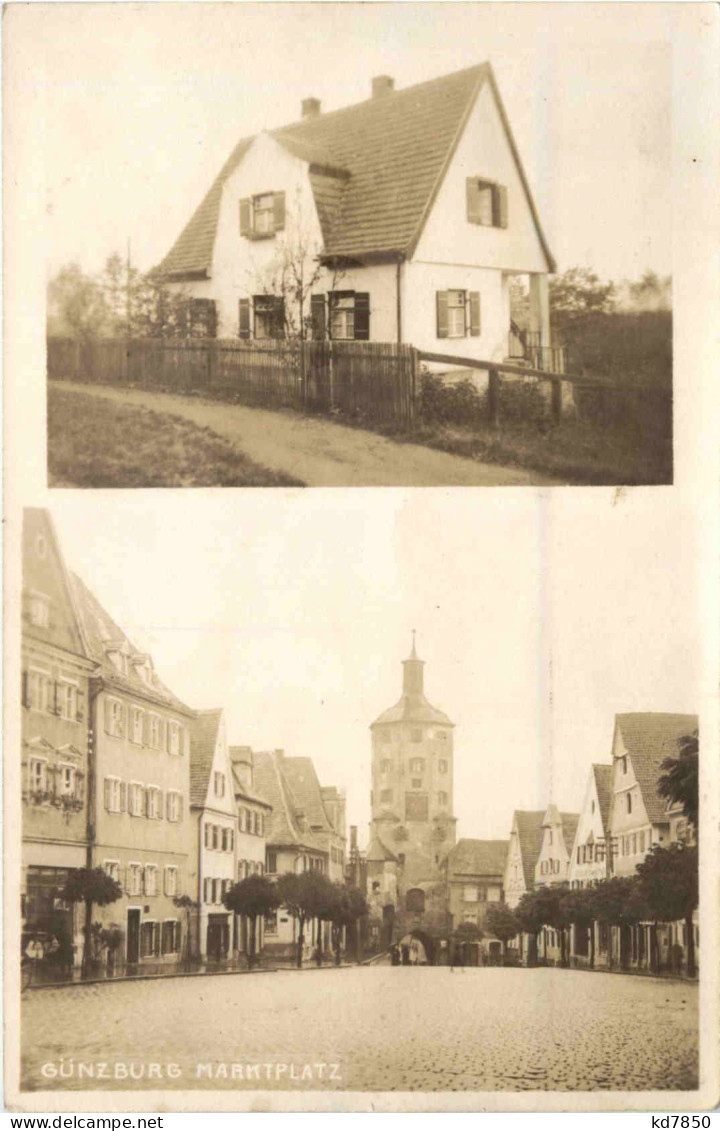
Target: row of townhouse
(118, 773)
(622, 818)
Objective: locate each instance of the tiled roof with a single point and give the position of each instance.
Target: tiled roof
(478, 857)
(300, 774)
(271, 782)
(530, 835)
(246, 794)
(649, 738)
(99, 630)
(396, 148)
(603, 787)
(570, 823)
(203, 740)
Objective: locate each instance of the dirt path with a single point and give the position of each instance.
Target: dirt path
(321, 452)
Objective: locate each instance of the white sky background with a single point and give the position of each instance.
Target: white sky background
(145, 102)
(295, 618)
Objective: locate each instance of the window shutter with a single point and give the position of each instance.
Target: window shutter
(79, 705)
(159, 816)
(168, 739)
(106, 793)
(108, 717)
(122, 877)
(442, 314)
(146, 794)
(472, 192)
(207, 836)
(166, 881)
(245, 217)
(163, 734)
(500, 206)
(167, 805)
(79, 785)
(244, 318)
(123, 796)
(317, 317)
(25, 697)
(181, 806)
(185, 737)
(279, 211)
(474, 304)
(362, 317)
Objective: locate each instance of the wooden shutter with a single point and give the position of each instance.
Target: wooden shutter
(207, 836)
(25, 696)
(500, 206)
(472, 193)
(317, 317)
(279, 211)
(362, 317)
(160, 803)
(106, 793)
(122, 877)
(79, 706)
(167, 805)
(181, 806)
(168, 736)
(442, 314)
(244, 318)
(245, 217)
(474, 304)
(163, 734)
(123, 796)
(79, 785)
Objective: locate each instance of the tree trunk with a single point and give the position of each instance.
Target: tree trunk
(301, 940)
(592, 945)
(504, 943)
(654, 957)
(86, 944)
(533, 950)
(253, 929)
(691, 969)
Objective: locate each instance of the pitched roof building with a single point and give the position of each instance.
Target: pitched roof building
(526, 838)
(391, 191)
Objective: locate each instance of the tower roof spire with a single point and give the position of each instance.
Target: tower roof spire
(413, 653)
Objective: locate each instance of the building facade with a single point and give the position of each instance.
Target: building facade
(56, 671)
(526, 839)
(253, 819)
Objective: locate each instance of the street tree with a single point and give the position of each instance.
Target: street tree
(577, 908)
(254, 896)
(617, 902)
(94, 888)
(307, 896)
(533, 912)
(187, 904)
(669, 885)
(502, 922)
(76, 304)
(678, 783)
(350, 906)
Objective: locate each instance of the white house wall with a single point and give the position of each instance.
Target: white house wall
(590, 822)
(514, 881)
(421, 282)
(448, 237)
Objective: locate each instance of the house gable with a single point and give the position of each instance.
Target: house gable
(49, 612)
(486, 151)
(591, 830)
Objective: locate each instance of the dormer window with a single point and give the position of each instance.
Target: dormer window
(119, 660)
(487, 203)
(263, 215)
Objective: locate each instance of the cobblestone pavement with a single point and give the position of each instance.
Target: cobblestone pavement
(380, 1029)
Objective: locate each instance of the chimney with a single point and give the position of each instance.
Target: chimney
(310, 107)
(382, 84)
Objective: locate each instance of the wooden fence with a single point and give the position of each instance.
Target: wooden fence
(371, 380)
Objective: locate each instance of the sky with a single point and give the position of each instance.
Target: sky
(539, 617)
(141, 105)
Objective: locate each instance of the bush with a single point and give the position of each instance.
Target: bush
(441, 403)
(628, 347)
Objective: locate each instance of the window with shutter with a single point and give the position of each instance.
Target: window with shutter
(362, 317)
(441, 305)
(474, 304)
(317, 317)
(245, 217)
(122, 796)
(487, 203)
(244, 318)
(279, 211)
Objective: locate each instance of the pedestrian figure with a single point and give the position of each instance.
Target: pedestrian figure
(395, 955)
(405, 952)
(318, 956)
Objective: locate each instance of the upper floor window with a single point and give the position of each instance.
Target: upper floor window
(272, 862)
(174, 737)
(487, 203)
(458, 314)
(67, 779)
(114, 717)
(136, 725)
(386, 796)
(151, 879)
(219, 784)
(262, 215)
(134, 882)
(39, 690)
(442, 766)
(38, 774)
(155, 724)
(385, 766)
(174, 805)
(417, 765)
(171, 875)
(442, 798)
(470, 894)
(154, 803)
(136, 799)
(40, 610)
(112, 869)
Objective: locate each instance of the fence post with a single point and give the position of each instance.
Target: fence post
(414, 383)
(556, 401)
(331, 375)
(493, 398)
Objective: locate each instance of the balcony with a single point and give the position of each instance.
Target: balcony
(527, 346)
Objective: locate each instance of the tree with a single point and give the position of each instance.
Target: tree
(350, 906)
(253, 896)
(535, 910)
(502, 923)
(577, 907)
(578, 294)
(142, 305)
(617, 903)
(679, 783)
(93, 887)
(188, 905)
(306, 896)
(669, 885)
(76, 304)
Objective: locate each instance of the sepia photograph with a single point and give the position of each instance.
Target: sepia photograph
(385, 829)
(444, 259)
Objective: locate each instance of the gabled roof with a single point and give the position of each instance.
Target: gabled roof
(649, 739)
(101, 632)
(569, 823)
(378, 852)
(602, 774)
(283, 827)
(530, 837)
(396, 148)
(203, 742)
(478, 857)
(303, 781)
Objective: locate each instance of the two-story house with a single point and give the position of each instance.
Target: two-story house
(474, 872)
(54, 739)
(415, 203)
(526, 839)
(552, 869)
(212, 867)
(139, 810)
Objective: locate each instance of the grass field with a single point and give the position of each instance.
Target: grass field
(95, 443)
